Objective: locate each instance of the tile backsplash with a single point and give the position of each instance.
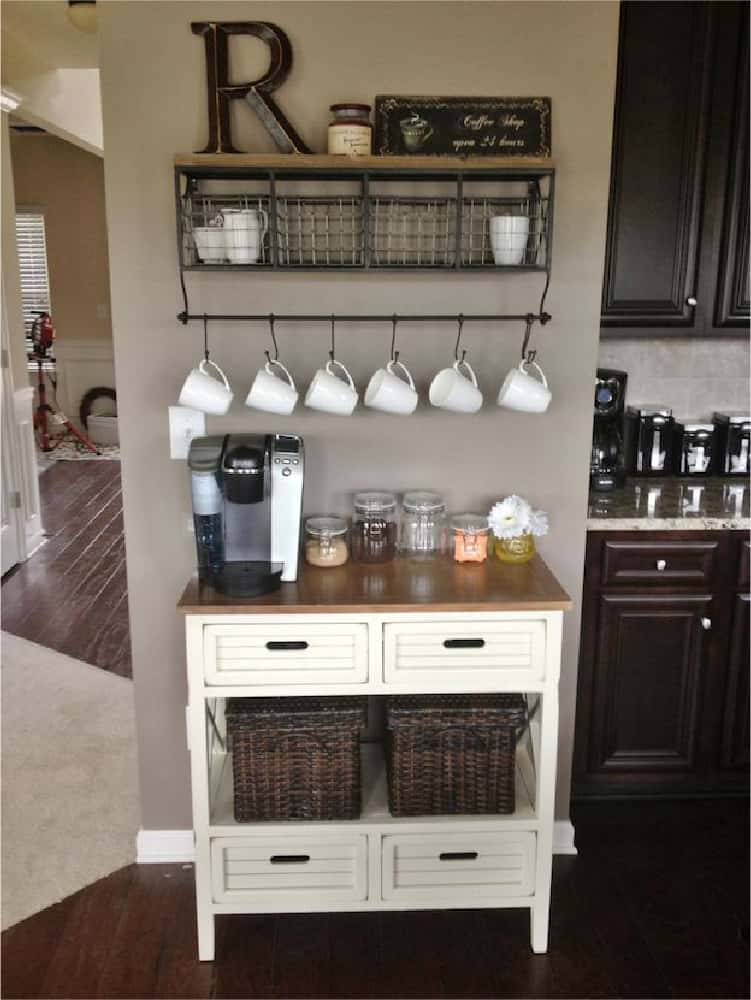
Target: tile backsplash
(694, 377)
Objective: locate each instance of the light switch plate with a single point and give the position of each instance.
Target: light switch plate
(184, 425)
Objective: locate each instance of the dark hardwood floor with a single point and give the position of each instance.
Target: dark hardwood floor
(71, 595)
(655, 905)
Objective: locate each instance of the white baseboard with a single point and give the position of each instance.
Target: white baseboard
(155, 847)
(563, 837)
(164, 846)
(82, 365)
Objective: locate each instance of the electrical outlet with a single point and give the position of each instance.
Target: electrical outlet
(184, 425)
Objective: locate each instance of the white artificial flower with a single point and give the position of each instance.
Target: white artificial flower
(509, 518)
(538, 523)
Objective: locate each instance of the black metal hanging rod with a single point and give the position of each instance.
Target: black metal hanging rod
(542, 318)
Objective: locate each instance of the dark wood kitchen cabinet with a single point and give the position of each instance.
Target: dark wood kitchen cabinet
(662, 706)
(678, 237)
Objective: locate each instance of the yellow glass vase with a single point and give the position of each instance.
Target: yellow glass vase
(515, 550)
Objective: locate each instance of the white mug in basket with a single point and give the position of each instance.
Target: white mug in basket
(203, 391)
(244, 231)
(272, 393)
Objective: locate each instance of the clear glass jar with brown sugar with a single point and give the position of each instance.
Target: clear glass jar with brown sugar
(326, 541)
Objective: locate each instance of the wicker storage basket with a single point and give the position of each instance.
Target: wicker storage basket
(453, 753)
(296, 758)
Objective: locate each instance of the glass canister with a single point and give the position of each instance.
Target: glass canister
(374, 527)
(515, 550)
(469, 538)
(424, 524)
(326, 541)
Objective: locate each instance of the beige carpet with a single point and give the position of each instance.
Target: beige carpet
(69, 786)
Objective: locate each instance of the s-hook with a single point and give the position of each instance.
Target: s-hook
(394, 353)
(333, 345)
(460, 320)
(206, 336)
(528, 356)
(273, 340)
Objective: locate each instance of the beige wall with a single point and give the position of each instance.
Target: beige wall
(154, 106)
(67, 184)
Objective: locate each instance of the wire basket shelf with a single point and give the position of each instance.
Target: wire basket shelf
(345, 231)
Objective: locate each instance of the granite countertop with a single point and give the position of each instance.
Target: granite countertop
(672, 503)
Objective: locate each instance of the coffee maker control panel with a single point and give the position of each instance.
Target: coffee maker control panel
(287, 476)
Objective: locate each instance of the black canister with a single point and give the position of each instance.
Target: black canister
(733, 433)
(694, 449)
(649, 440)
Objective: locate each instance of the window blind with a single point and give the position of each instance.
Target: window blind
(32, 262)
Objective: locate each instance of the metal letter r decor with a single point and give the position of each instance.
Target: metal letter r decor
(257, 93)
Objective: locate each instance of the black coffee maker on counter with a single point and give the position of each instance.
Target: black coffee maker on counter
(606, 467)
(649, 440)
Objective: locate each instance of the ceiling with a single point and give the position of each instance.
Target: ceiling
(37, 34)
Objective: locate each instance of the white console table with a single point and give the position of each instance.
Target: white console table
(376, 630)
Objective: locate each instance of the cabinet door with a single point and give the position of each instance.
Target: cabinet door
(735, 743)
(657, 173)
(642, 732)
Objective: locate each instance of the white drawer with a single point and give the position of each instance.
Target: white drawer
(328, 868)
(456, 867)
(286, 654)
(464, 655)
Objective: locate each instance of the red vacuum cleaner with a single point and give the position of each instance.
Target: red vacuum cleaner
(42, 339)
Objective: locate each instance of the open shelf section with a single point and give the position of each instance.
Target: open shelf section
(374, 801)
(294, 212)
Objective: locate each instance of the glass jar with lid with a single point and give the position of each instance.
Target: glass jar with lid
(350, 131)
(423, 530)
(326, 541)
(374, 527)
(469, 538)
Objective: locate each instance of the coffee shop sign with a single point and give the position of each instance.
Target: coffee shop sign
(426, 126)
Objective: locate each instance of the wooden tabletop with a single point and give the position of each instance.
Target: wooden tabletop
(403, 585)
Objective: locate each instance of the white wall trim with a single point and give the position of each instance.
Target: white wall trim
(165, 846)
(563, 837)
(27, 472)
(155, 847)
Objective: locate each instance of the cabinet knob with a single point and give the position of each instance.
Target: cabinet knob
(706, 624)
(661, 565)
(690, 301)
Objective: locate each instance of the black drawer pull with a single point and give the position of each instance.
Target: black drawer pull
(289, 859)
(463, 643)
(458, 856)
(287, 644)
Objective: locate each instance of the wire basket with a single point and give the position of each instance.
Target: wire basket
(413, 232)
(319, 232)
(505, 232)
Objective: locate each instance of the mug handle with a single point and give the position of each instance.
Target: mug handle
(397, 364)
(217, 221)
(426, 137)
(273, 361)
(459, 364)
(333, 361)
(540, 372)
(204, 365)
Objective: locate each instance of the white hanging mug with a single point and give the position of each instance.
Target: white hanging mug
(271, 393)
(451, 390)
(523, 392)
(331, 394)
(389, 393)
(203, 391)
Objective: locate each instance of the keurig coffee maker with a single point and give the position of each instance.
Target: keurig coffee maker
(649, 440)
(606, 470)
(247, 505)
